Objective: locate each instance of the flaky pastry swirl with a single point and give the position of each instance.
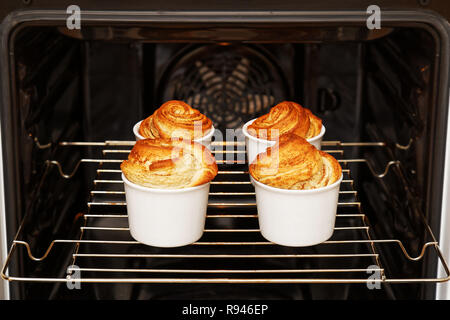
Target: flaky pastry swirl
(286, 117)
(175, 119)
(293, 163)
(169, 164)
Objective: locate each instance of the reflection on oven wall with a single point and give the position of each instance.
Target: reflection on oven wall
(378, 90)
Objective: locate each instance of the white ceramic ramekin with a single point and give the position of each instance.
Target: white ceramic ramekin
(206, 140)
(255, 146)
(296, 218)
(165, 217)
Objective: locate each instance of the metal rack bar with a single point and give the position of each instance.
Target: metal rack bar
(226, 270)
(215, 143)
(228, 162)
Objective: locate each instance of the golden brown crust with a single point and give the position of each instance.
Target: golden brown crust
(315, 125)
(293, 163)
(286, 117)
(169, 164)
(175, 119)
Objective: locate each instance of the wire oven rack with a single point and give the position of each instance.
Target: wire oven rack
(106, 253)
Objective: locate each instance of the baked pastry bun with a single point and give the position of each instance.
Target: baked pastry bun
(169, 164)
(175, 119)
(293, 163)
(286, 117)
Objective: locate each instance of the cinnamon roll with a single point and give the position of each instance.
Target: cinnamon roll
(169, 164)
(286, 117)
(293, 163)
(175, 119)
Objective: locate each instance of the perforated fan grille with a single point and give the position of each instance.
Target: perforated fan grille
(230, 84)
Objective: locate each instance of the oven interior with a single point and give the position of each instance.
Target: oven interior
(94, 85)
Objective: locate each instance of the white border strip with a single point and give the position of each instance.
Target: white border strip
(443, 289)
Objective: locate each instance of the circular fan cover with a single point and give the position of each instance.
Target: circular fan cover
(230, 84)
